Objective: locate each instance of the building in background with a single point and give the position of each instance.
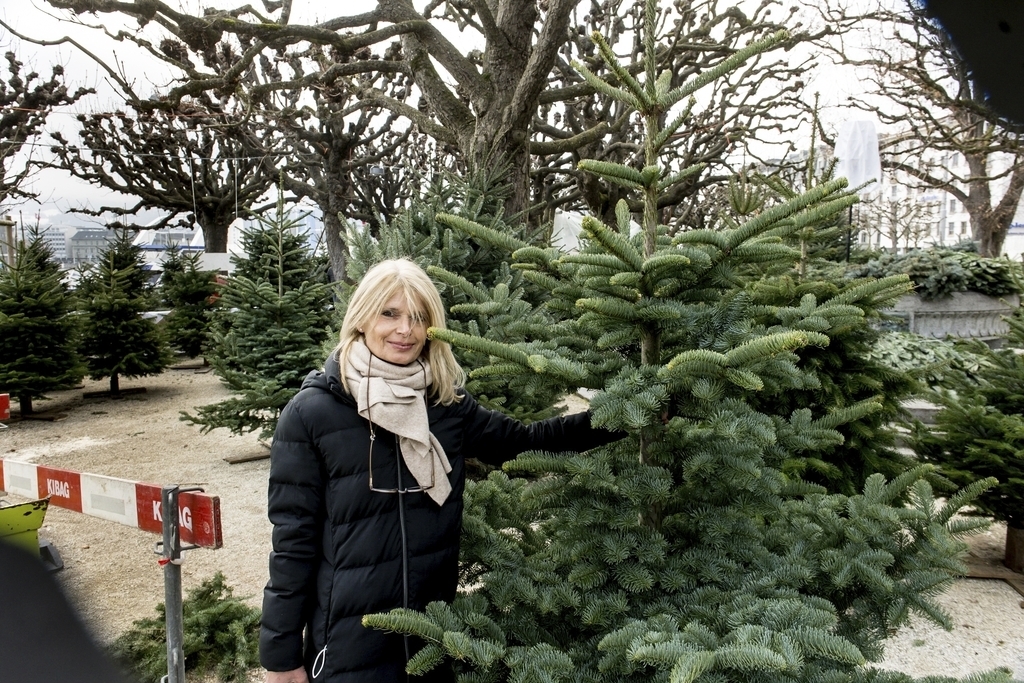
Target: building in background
(899, 214)
(84, 245)
(56, 238)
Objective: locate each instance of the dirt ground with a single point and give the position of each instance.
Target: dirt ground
(111, 571)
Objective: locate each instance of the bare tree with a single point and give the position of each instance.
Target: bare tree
(356, 162)
(484, 106)
(902, 222)
(920, 84)
(485, 103)
(195, 163)
(518, 104)
(25, 102)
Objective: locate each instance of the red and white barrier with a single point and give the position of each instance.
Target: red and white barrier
(118, 500)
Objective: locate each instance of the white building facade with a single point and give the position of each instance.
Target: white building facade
(898, 214)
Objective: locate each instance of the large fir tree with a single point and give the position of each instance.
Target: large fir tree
(189, 291)
(117, 341)
(37, 331)
(682, 553)
(272, 319)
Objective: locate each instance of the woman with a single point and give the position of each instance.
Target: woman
(366, 479)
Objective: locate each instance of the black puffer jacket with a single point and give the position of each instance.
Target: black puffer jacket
(342, 551)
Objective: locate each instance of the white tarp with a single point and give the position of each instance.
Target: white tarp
(857, 151)
(565, 234)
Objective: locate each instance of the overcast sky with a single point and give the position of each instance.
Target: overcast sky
(59, 192)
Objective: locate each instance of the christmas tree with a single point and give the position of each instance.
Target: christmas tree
(189, 291)
(843, 374)
(117, 341)
(682, 552)
(271, 321)
(122, 254)
(979, 432)
(38, 348)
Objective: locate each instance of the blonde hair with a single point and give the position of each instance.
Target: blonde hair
(378, 286)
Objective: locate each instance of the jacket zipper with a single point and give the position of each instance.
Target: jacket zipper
(405, 543)
(321, 657)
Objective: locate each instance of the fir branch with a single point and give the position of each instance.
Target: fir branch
(542, 257)
(425, 660)
(725, 66)
(623, 217)
(770, 217)
(485, 346)
(606, 89)
(626, 78)
(612, 172)
(607, 264)
(481, 233)
(691, 666)
(679, 177)
(767, 346)
(710, 237)
(701, 356)
(614, 242)
(541, 279)
(662, 136)
(612, 308)
(406, 621)
(478, 294)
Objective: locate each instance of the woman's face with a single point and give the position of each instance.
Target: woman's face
(397, 335)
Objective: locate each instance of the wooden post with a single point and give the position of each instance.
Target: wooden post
(1014, 557)
(9, 223)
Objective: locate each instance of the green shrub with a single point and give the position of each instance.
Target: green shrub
(940, 272)
(980, 430)
(925, 359)
(221, 636)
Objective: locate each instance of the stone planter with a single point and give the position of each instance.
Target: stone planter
(963, 315)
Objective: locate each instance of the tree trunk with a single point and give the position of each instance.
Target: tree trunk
(215, 237)
(991, 223)
(26, 404)
(115, 385)
(216, 219)
(337, 250)
(1014, 556)
(335, 197)
(990, 240)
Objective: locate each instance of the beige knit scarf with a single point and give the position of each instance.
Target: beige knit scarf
(394, 397)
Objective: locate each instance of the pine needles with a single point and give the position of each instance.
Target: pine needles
(221, 636)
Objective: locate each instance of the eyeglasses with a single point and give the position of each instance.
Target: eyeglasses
(373, 437)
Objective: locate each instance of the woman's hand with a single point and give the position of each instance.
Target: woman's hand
(296, 676)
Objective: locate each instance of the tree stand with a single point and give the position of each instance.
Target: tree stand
(1014, 557)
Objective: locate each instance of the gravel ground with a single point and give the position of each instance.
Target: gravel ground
(111, 572)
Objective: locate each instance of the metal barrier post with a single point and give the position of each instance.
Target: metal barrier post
(171, 561)
(172, 586)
